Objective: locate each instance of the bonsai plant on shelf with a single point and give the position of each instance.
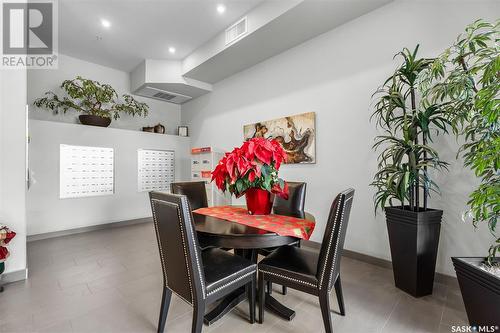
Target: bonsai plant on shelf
(98, 102)
(252, 170)
(403, 182)
(465, 80)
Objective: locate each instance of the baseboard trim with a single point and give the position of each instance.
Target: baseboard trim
(14, 276)
(21, 275)
(439, 277)
(32, 238)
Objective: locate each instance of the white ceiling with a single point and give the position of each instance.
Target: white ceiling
(141, 29)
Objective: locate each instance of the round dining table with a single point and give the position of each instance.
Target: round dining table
(246, 241)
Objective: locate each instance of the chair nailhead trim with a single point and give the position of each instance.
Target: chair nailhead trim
(230, 283)
(337, 241)
(228, 277)
(328, 248)
(195, 246)
(331, 240)
(183, 244)
(289, 278)
(163, 258)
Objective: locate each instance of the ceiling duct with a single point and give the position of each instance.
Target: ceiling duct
(236, 31)
(162, 95)
(162, 80)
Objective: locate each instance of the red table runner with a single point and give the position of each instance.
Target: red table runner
(280, 224)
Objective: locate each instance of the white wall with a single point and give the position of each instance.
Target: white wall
(41, 81)
(335, 75)
(12, 164)
(47, 213)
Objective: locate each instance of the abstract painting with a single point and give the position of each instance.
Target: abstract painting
(297, 135)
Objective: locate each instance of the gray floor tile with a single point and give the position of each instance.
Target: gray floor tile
(111, 281)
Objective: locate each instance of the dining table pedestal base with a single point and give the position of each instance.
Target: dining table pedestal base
(226, 304)
(273, 305)
(236, 297)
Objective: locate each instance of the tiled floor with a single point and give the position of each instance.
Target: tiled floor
(110, 281)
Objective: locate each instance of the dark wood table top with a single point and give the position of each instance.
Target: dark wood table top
(223, 233)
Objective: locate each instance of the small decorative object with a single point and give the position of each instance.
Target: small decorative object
(98, 102)
(159, 128)
(465, 80)
(6, 236)
(252, 170)
(148, 129)
(403, 176)
(182, 130)
(295, 133)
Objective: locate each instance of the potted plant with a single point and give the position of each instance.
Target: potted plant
(6, 236)
(98, 102)
(403, 182)
(465, 79)
(252, 170)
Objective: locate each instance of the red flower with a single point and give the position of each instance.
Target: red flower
(280, 192)
(4, 253)
(251, 175)
(246, 163)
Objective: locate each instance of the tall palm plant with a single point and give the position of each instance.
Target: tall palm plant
(409, 124)
(465, 81)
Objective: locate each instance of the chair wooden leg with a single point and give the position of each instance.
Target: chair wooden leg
(251, 299)
(165, 303)
(262, 292)
(269, 287)
(324, 302)
(340, 297)
(283, 290)
(198, 314)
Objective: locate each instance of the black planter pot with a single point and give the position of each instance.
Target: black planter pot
(88, 119)
(480, 292)
(2, 267)
(414, 239)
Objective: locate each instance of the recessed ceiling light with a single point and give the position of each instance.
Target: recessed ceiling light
(171, 49)
(105, 23)
(221, 8)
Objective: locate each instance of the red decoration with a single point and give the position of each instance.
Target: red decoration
(253, 165)
(259, 202)
(279, 224)
(6, 236)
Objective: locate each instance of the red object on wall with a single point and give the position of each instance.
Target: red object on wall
(259, 201)
(201, 150)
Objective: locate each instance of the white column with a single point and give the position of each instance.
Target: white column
(13, 97)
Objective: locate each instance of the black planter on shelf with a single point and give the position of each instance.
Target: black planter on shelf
(88, 119)
(480, 291)
(414, 239)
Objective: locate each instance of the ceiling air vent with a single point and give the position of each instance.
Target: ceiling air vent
(162, 95)
(165, 96)
(236, 31)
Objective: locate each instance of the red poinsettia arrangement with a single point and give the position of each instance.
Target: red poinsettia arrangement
(6, 236)
(253, 165)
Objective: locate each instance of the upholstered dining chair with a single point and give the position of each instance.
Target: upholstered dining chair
(308, 271)
(197, 277)
(194, 191)
(293, 206)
